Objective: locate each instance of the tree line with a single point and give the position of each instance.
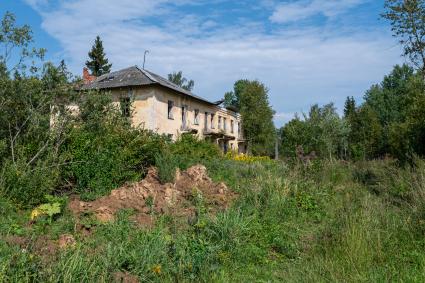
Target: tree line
(390, 121)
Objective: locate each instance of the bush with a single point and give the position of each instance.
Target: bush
(166, 166)
(185, 152)
(196, 149)
(25, 185)
(103, 161)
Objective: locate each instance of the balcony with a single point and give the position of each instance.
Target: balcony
(188, 128)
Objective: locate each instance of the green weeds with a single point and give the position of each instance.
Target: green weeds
(318, 223)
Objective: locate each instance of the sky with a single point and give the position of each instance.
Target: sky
(304, 51)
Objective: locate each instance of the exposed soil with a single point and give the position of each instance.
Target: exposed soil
(150, 197)
(124, 277)
(43, 246)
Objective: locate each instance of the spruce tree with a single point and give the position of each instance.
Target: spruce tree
(349, 107)
(98, 63)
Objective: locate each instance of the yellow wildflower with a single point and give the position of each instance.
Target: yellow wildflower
(35, 213)
(157, 269)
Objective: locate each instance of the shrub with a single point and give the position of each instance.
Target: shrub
(103, 161)
(166, 166)
(196, 149)
(25, 185)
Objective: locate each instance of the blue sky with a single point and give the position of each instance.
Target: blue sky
(304, 51)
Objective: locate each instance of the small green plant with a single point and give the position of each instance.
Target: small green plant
(166, 165)
(50, 209)
(47, 209)
(150, 203)
(306, 201)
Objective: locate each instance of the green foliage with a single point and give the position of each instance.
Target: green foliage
(407, 19)
(186, 151)
(251, 98)
(178, 79)
(98, 63)
(105, 152)
(389, 122)
(47, 209)
(14, 38)
(27, 186)
(366, 134)
(321, 131)
(287, 224)
(197, 149)
(167, 165)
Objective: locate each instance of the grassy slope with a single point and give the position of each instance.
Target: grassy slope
(298, 224)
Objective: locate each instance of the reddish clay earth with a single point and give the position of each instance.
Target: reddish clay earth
(150, 197)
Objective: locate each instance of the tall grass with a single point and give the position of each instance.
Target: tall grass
(330, 221)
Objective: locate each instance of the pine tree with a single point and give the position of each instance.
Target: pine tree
(98, 63)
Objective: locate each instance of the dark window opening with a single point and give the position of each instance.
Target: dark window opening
(196, 120)
(184, 115)
(232, 126)
(206, 120)
(125, 104)
(170, 109)
(212, 121)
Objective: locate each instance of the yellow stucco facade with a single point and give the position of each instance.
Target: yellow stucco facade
(150, 109)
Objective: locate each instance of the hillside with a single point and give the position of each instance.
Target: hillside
(326, 221)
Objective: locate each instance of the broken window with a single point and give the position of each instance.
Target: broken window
(212, 121)
(219, 122)
(206, 120)
(170, 109)
(232, 126)
(239, 129)
(196, 120)
(224, 124)
(125, 104)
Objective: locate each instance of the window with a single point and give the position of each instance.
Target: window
(184, 110)
(196, 120)
(170, 109)
(125, 104)
(219, 122)
(232, 126)
(206, 120)
(239, 128)
(212, 121)
(224, 124)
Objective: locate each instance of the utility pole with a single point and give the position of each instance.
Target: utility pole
(144, 58)
(276, 146)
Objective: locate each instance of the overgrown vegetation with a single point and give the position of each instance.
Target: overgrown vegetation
(313, 217)
(327, 221)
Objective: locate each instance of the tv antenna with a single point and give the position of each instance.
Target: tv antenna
(144, 58)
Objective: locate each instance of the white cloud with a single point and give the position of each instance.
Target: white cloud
(300, 66)
(300, 10)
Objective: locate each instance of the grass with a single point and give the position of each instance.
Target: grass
(331, 221)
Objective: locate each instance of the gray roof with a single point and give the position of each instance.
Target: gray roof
(134, 76)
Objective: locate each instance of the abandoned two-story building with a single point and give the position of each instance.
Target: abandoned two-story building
(155, 103)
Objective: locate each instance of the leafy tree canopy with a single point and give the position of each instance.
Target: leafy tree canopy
(407, 18)
(251, 98)
(178, 79)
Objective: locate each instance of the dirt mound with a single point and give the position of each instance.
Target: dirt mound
(149, 197)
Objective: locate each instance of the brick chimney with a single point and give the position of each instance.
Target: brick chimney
(87, 77)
